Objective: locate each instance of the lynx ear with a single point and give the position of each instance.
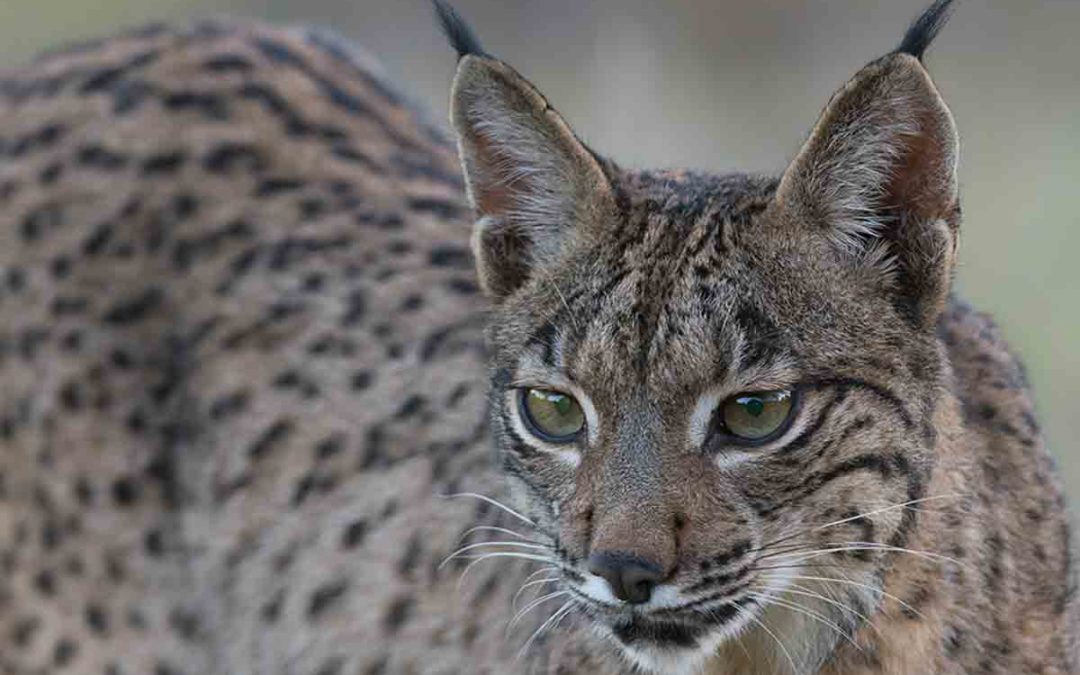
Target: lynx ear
(533, 184)
(878, 177)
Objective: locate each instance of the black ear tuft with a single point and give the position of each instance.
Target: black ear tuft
(925, 28)
(461, 35)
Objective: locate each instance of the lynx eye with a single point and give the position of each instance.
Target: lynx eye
(551, 416)
(757, 416)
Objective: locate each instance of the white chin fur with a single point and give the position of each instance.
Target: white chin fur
(682, 661)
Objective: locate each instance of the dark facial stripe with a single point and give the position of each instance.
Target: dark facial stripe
(878, 390)
(915, 491)
(734, 553)
(517, 444)
(500, 381)
(801, 441)
(714, 580)
(544, 338)
(761, 333)
(725, 606)
(887, 466)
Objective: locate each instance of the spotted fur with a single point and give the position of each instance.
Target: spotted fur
(242, 364)
(240, 353)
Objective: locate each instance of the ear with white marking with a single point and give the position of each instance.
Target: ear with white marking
(533, 184)
(878, 178)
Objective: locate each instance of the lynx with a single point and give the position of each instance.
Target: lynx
(284, 388)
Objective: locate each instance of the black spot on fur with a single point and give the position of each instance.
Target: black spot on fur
(125, 491)
(397, 614)
(98, 157)
(451, 256)
(154, 543)
(354, 534)
(99, 238)
(51, 173)
(270, 438)
(325, 597)
(229, 404)
(64, 652)
(311, 483)
(355, 309)
(227, 63)
(230, 156)
(410, 406)
(330, 446)
(354, 156)
(362, 379)
(24, 631)
(411, 557)
(273, 186)
(101, 80)
(96, 619)
(211, 105)
(39, 222)
(45, 582)
(60, 267)
(136, 308)
(185, 624)
(278, 52)
(129, 95)
(440, 208)
(163, 163)
(272, 609)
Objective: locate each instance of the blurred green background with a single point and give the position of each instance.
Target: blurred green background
(736, 84)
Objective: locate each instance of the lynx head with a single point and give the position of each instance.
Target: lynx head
(710, 392)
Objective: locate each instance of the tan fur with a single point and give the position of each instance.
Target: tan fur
(242, 365)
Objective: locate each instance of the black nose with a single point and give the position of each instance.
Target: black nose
(631, 578)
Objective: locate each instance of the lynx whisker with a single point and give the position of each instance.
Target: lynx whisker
(531, 606)
(768, 631)
(800, 590)
(865, 546)
(856, 584)
(904, 505)
(500, 554)
(494, 502)
(767, 599)
(527, 584)
(501, 530)
(488, 544)
(551, 622)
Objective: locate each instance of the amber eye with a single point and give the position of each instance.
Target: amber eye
(757, 416)
(551, 416)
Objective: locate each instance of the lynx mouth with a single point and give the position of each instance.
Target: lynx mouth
(669, 628)
(640, 631)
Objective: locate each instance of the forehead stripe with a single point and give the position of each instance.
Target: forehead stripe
(544, 338)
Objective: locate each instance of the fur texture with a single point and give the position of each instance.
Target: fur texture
(242, 367)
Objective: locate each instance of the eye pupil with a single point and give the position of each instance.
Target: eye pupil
(562, 404)
(754, 406)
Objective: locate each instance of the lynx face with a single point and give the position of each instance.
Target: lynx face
(673, 519)
(710, 392)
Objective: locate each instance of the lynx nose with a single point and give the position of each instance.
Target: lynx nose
(631, 578)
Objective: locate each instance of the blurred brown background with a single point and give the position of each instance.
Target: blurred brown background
(736, 84)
